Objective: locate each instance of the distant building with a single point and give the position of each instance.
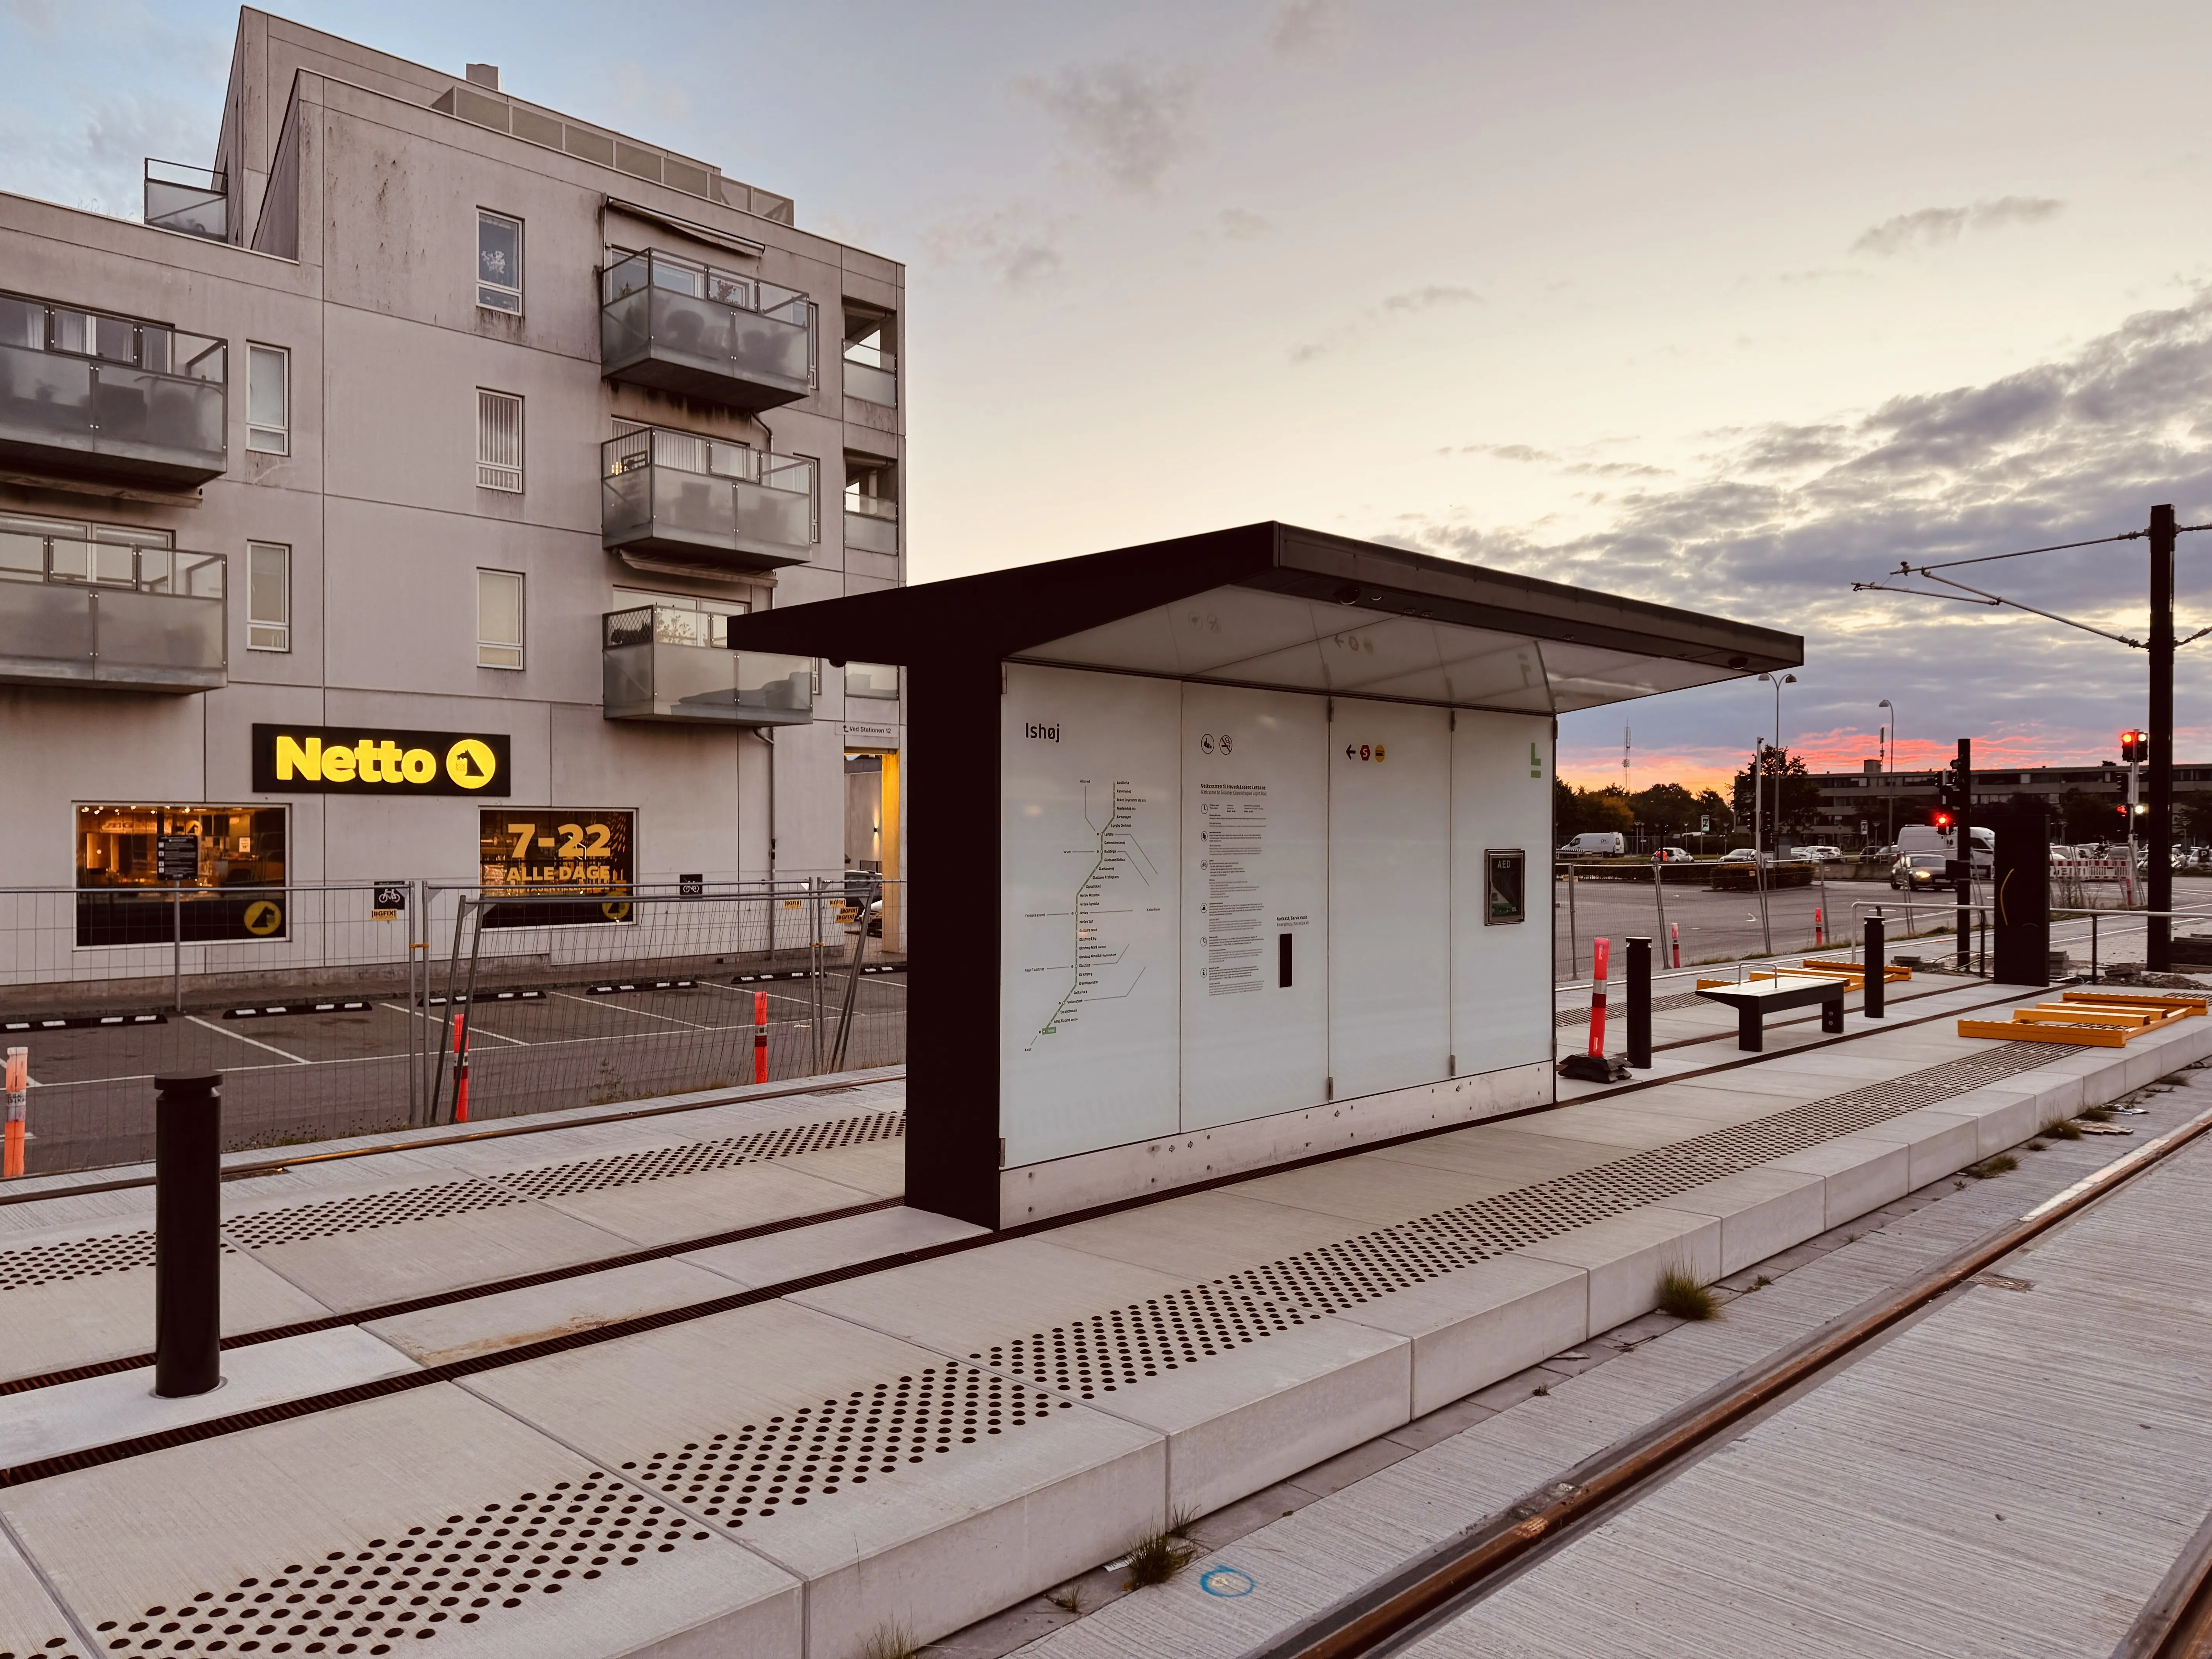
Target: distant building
(1868, 804)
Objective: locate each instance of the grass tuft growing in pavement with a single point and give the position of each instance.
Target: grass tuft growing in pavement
(2063, 1130)
(1159, 1556)
(2096, 1113)
(1683, 1298)
(1069, 1599)
(2002, 1164)
(892, 1641)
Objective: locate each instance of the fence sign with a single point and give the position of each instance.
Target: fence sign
(391, 898)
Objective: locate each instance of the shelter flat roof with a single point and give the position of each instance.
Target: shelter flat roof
(1271, 606)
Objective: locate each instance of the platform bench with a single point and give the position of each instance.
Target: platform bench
(1754, 1001)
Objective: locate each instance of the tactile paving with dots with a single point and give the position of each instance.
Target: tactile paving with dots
(819, 1450)
(367, 1212)
(53, 1647)
(75, 1258)
(1116, 1350)
(665, 1162)
(467, 1569)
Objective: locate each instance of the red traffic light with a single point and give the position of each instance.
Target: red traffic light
(1943, 820)
(2133, 746)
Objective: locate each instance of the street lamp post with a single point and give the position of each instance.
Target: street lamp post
(1890, 782)
(1777, 683)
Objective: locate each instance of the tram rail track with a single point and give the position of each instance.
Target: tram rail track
(1436, 1587)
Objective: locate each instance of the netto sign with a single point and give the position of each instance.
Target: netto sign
(348, 760)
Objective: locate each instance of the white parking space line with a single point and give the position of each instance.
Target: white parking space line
(619, 1008)
(749, 992)
(475, 1030)
(297, 1059)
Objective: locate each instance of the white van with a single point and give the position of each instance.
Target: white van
(1596, 844)
(1926, 838)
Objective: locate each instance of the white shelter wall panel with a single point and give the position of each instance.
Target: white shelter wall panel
(1390, 896)
(1501, 979)
(1089, 803)
(1254, 903)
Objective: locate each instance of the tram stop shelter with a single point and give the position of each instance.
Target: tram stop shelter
(1230, 851)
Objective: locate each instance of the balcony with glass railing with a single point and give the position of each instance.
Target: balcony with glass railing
(673, 500)
(85, 394)
(660, 663)
(872, 523)
(191, 200)
(871, 374)
(99, 614)
(681, 327)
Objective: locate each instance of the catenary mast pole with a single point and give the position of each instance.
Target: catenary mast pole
(2159, 955)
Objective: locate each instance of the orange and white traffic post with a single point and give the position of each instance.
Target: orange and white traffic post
(1820, 928)
(19, 1100)
(460, 1068)
(760, 1036)
(1600, 958)
(1674, 942)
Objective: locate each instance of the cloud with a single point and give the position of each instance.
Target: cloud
(1776, 524)
(1131, 120)
(1934, 227)
(1304, 26)
(1239, 226)
(1018, 243)
(1409, 301)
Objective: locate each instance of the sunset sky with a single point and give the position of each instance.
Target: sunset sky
(1720, 305)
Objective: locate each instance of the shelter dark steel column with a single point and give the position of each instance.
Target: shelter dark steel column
(2020, 894)
(1639, 1001)
(2159, 953)
(187, 1250)
(1877, 965)
(1962, 842)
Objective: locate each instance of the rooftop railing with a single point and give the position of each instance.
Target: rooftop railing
(680, 326)
(88, 393)
(191, 200)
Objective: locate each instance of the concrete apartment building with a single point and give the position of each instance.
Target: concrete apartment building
(1871, 804)
(415, 452)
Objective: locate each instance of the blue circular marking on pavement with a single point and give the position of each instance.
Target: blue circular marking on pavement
(1226, 1581)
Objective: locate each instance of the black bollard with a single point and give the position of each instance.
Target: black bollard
(1639, 1002)
(187, 1250)
(1876, 967)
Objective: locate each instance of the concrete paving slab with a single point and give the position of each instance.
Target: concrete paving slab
(774, 1258)
(509, 1319)
(32, 1623)
(655, 1213)
(1855, 1176)
(95, 1411)
(1375, 1191)
(1519, 1151)
(110, 1316)
(363, 1526)
(1470, 1328)
(1202, 1235)
(840, 1454)
(1624, 1255)
(424, 1257)
(1761, 1212)
(878, 1168)
(1937, 1142)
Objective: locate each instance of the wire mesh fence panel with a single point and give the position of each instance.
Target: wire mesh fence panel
(342, 1024)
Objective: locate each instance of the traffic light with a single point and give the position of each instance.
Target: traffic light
(1943, 820)
(1952, 799)
(2133, 746)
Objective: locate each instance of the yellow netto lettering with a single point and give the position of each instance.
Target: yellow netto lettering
(470, 764)
(292, 757)
(416, 766)
(337, 765)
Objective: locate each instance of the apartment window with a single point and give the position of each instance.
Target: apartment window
(498, 441)
(269, 399)
(499, 262)
(498, 619)
(268, 597)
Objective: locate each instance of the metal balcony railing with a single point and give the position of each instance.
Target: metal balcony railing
(871, 374)
(191, 200)
(681, 327)
(676, 500)
(99, 614)
(872, 523)
(663, 664)
(87, 394)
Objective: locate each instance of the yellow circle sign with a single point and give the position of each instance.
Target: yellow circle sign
(615, 912)
(470, 763)
(264, 917)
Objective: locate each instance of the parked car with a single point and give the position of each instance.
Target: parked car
(1821, 854)
(1881, 854)
(1916, 872)
(1673, 855)
(1595, 844)
(1742, 855)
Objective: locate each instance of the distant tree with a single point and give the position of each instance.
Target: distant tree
(1667, 807)
(1584, 812)
(1800, 795)
(1710, 805)
(2085, 815)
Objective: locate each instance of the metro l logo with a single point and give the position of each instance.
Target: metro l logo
(470, 764)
